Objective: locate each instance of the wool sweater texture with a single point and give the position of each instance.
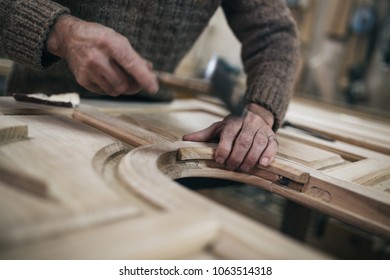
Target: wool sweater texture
(161, 31)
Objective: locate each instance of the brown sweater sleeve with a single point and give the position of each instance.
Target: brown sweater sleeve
(24, 27)
(270, 51)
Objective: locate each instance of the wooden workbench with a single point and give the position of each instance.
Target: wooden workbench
(98, 182)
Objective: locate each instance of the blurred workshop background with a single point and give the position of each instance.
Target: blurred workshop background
(345, 51)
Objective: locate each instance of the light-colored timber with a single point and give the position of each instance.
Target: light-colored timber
(106, 188)
(13, 132)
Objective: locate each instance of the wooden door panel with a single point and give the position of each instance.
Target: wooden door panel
(327, 165)
(104, 184)
(48, 183)
(82, 208)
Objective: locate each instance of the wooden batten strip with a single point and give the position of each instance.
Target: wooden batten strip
(14, 132)
(277, 167)
(127, 132)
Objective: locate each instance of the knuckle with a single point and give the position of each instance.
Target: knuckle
(270, 150)
(127, 60)
(105, 37)
(228, 132)
(123, 40)
(245, 141)
(82, 79)
(262, 141)
(272, 139)
(90, 59)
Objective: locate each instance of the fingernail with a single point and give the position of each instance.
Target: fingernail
(264, 161)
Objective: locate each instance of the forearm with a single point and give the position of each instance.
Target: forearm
(25, 26)
(270, 51)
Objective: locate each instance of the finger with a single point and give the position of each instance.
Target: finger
(135, 66)
(204, 135)
(134, 87)
(112, 79)
(228, 134)
(260, 142)
(149, 64)
(94, 88)
(242, 143)
(269, 153)
(119, 81)
(87, 79)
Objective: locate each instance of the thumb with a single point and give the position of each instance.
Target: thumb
(206, 134)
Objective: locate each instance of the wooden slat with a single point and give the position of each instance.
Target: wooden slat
(172, 125)
(342, 125)
(13, 132)
(368, 172)
(277, 167)
(125, 131)
(307, 22)
(338, 18)
(307, 155)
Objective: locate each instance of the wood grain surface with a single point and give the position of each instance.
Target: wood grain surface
(98, 182)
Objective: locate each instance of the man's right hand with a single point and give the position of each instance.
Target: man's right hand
(101, 59)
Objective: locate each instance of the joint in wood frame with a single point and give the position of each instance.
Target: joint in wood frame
(286, 182)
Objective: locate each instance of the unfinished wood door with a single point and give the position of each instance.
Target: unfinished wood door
(344, 177)
(66, 191)
(103, 184)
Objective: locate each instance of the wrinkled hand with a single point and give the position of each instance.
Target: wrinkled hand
(243, 141)
(101, 59)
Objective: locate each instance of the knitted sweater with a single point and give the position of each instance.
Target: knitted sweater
(161, 31)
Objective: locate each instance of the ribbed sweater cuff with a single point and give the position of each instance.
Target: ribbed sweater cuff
(28, 29)
(271, 93)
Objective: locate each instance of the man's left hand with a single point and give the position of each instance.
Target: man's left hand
(243, 141)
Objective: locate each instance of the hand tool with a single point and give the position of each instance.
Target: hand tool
(221, 80)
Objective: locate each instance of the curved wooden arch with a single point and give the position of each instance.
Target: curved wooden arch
(149, 171)
(298, 183)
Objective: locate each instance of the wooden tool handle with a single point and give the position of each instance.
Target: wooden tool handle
(191, 85)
